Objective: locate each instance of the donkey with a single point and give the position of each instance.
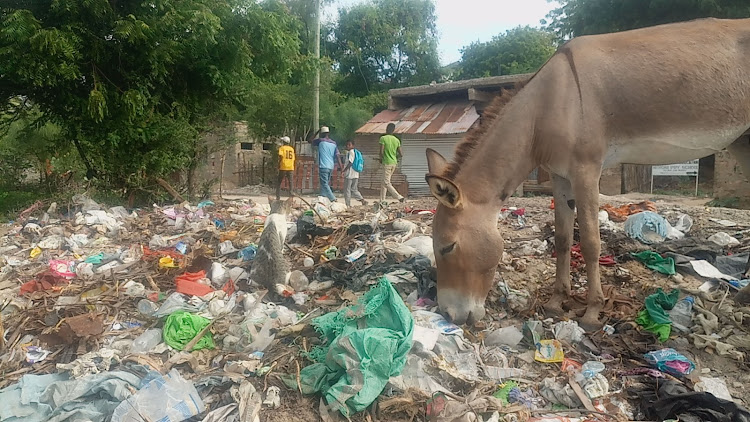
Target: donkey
(659, 95)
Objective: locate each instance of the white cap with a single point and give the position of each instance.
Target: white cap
(285, 139)
(324, 129)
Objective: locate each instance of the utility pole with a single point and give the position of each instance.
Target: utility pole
(316, 81)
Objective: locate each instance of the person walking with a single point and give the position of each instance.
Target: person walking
(354, 165)
(328, 157)
(286, 165)
(390, 150)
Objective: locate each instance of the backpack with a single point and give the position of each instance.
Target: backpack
(359, 162)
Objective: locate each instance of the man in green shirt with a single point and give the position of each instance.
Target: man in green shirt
(390, 150)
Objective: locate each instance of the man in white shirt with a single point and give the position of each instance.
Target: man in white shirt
(351, 177)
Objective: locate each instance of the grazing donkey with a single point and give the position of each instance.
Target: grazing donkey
(658, 95)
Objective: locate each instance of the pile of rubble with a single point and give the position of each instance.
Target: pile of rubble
(151, 314)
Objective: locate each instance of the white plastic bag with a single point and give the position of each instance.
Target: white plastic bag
(168, 398)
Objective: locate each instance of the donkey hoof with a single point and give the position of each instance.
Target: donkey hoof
(590, 323)
(553, 309)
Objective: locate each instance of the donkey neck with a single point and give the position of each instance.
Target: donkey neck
(503, 156)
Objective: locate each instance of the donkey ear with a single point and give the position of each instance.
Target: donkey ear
(271, 199)
(445, 191)
(436, 164)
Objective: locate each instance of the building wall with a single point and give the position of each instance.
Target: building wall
(729, 181)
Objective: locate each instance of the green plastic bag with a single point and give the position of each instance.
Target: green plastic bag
(655, 262)
(655, 317)
(366, 345)
(181, 327)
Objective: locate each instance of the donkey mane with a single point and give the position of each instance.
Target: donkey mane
(489, 116)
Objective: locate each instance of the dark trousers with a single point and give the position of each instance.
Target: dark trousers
(284, 174)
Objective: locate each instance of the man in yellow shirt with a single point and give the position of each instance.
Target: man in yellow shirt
(286, 165)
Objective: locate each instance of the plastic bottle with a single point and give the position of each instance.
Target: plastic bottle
(147, 341)
(682, 314)
(591, 368)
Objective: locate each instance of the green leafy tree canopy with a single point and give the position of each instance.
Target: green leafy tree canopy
(519, 50)
(134, 84)
(587, 17)
(385, 44)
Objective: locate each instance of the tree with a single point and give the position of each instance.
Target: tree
(586, 17)
(135, 85)
(519, 50)
(384, 44)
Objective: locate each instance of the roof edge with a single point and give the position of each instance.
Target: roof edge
(490, 82)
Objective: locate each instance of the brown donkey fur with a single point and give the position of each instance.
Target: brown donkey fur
(659, 95)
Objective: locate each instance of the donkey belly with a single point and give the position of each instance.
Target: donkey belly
(671, 148)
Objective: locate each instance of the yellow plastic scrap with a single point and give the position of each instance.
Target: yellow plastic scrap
(549, 351)
(35, 252)
(167, 262)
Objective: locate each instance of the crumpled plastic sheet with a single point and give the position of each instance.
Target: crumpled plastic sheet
(56, 398)
(162, 398)
(724, 349)
(559, 393)
(647, 227)
(366, 345)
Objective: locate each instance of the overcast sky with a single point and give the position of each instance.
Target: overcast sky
(460, 22)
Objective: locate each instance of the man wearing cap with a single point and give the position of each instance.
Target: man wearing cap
(328, 157)
(286, 165)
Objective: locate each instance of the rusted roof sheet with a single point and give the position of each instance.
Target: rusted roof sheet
(430, 118)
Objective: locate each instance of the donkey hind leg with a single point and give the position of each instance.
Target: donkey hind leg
(586, 188)
(740, 150)
(564, 219)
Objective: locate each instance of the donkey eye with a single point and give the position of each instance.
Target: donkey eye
(448, 249)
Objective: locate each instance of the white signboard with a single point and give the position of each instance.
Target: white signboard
(685, 169)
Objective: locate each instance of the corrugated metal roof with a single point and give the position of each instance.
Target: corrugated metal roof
(430, 118)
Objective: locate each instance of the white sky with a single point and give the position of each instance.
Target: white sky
(460, 22)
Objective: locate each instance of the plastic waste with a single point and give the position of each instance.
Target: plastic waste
(508, 336)
(219, 274)
(147, 341)
(723, 239)
(671, 362)
(568, 331)
(682, 314)
(647, 227)
(168, 398)
(591, 368)
(359, 253)
(262, 339)
(147, 307)
(36, 354)
(436, 322)
(181, 327)
(176, 302)
(298, 281)
(549, 351)
(272, 397)
(248, 253)
(226, 247)
(596, 386)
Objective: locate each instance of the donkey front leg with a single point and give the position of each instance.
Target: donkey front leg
(564, 219)
(587, 193)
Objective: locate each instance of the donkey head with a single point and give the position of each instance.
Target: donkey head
(466, 243)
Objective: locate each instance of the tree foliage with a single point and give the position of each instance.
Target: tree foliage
(135, 84)
(384, 44)
(519, 50)
(586, 17)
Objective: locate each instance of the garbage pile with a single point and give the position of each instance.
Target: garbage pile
(153, 314)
